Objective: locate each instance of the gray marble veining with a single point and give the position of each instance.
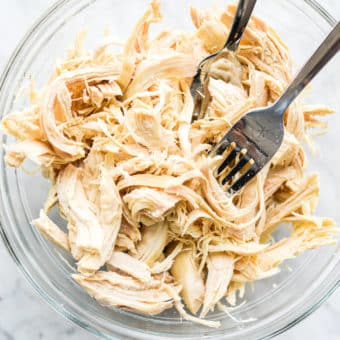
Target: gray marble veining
(24, 315)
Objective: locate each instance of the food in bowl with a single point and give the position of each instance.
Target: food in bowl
(147, 222)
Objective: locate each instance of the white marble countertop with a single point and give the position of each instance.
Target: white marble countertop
(23, 314)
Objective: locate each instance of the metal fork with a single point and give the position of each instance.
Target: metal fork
(252, 142)
(198, 86)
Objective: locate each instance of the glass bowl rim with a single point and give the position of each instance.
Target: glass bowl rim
(34, 29)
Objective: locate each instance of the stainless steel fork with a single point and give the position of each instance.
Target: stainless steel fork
(252, 142)
(198, 86)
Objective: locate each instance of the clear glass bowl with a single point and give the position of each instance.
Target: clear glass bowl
(277, 303)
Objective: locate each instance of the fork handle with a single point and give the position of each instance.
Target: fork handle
(329, 47)
(242, 16)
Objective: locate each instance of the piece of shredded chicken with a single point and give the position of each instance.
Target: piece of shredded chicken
(147, 223)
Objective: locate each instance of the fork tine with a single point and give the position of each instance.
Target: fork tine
(222, 146)
(244, 179)
(232, 155)
(243, 161)
(227, 169)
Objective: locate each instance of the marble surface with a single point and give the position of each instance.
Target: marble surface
(23, 314)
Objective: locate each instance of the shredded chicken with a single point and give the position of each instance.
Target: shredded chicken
(51, 231)
(148, 224)
(186, 272)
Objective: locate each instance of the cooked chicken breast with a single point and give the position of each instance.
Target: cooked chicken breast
(147, 222)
